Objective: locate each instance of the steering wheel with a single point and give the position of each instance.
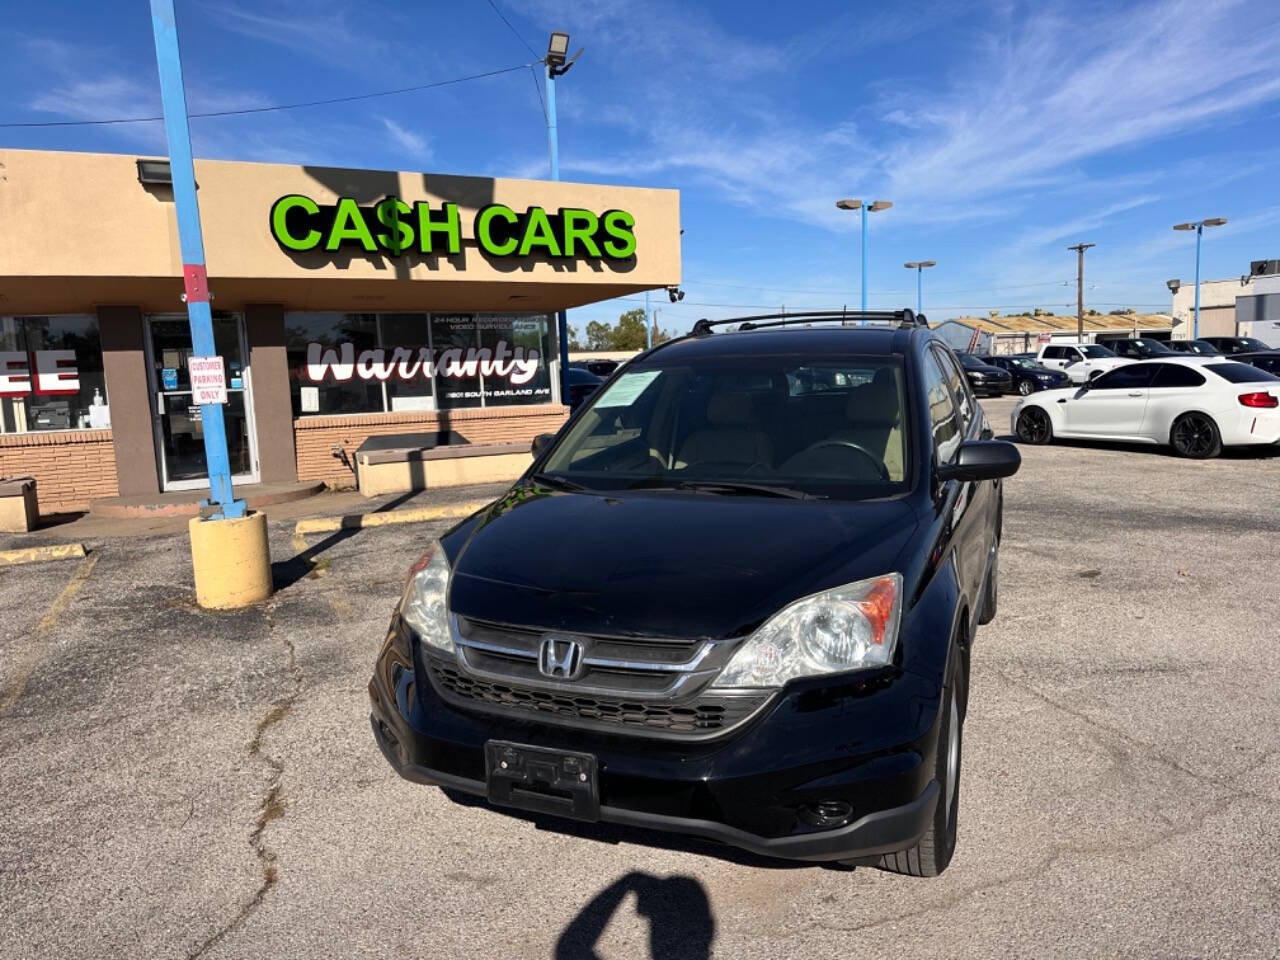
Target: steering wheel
(876, 465)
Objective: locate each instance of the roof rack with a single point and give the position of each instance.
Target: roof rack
(905, 318)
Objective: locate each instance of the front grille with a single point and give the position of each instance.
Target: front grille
(706, 715)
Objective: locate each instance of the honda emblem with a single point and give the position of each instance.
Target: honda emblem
(560, 658)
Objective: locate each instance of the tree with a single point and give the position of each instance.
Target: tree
(599, 336)
(627, 334)
(575, 344)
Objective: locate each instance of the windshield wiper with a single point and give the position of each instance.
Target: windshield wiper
(562, 483)
(725, 487)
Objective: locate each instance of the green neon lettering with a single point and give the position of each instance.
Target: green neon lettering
(451, 228)
(580, 226)
(280, 226)
(389, 212)
(538, 233)
(348, 224)
(620, 225)
(484, 224)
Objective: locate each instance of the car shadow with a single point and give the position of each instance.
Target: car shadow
(1258, 452)
(681, 925)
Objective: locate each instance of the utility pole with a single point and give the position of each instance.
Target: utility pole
(1080, 248)
(558, 63)
(648, 328)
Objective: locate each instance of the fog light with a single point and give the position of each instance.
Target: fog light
(826, 813)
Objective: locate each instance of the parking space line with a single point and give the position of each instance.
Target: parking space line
(29, 655)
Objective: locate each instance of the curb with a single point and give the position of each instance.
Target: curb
(58, 551)
(358, 521)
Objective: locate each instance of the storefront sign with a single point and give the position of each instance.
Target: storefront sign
(55, 373)
(208, 380)
(393, 227)
(341, 363)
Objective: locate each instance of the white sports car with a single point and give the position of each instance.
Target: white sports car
(1197, 405)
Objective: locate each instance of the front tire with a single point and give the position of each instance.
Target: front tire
(1025, 387)
(991, 593)
(1195, 436)
(1034, 426)
(933, 853)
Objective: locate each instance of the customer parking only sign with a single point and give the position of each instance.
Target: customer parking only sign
(208, 380)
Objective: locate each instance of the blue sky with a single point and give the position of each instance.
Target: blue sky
(1001, 132)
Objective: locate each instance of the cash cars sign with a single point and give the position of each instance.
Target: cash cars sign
(393, 226)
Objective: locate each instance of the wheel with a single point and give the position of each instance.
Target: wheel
(930, 856)
(1025, 387)
(1196, 436)
(990, 593)
(1034, 426)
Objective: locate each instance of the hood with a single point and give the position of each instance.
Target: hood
(663, 563)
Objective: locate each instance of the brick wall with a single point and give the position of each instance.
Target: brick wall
(315, 437)
(71, 467)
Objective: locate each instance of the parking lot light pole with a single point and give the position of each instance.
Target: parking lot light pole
(874, 207)
(919, 266)
(191, 243)
(1198, 226)
(558, 63)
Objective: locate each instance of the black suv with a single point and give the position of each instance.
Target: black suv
(1138, 348)
(734, 598)
(1230, 345)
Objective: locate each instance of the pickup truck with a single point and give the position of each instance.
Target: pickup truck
(1079, 361)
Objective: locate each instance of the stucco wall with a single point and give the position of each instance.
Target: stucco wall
(117, 240)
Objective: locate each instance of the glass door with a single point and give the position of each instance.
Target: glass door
(179, 433)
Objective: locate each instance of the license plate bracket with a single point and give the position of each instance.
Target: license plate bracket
(559, 782)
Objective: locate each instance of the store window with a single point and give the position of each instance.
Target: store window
(370, 363)
(51, 374)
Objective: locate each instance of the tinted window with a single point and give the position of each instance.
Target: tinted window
(1135, 376)
(1055, 353)
(943, 416)
(1270, 364)
(1176, 375)
(1241, 373)
(959, 387)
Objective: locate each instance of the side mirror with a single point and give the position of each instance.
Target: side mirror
(982, 460)
(540, 443)
(1084, 388)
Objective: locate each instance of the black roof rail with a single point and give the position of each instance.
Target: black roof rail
(904, 318)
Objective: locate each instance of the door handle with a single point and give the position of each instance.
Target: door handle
(1135, 393)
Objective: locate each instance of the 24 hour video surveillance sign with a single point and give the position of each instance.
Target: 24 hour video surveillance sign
(394, 227)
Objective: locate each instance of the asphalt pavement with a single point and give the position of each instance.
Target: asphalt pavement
(180, 783)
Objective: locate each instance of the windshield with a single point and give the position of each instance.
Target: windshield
(784, 426)
(969, 361)
(1253, 343)
(1025, 363)
(1153, 346)
(1095, 352)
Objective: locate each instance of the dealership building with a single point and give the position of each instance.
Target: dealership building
(348, 304)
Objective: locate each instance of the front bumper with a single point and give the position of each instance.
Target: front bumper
(867, 744)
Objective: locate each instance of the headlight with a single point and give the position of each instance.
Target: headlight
(846, 628)
(423, 604)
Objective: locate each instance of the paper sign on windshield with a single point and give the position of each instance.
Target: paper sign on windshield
(626, 388)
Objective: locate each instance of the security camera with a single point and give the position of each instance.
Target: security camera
(675, 293)
(1173, 285)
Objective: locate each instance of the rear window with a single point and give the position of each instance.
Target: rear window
(1242, 373)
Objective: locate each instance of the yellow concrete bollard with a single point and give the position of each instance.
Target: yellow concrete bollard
(232, 561)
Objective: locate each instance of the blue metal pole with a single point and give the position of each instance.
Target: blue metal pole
(194, 273)
(919, 290)
(864, 264)
(562, 319)
(1195, 330)
(648, 324)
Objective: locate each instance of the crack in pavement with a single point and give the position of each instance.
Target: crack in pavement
(273, 803)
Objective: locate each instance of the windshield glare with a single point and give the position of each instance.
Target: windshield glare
(828, 428)
(1094, 352)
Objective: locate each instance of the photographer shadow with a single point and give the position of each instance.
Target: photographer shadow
(678, 910)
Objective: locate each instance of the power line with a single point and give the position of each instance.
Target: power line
(747, 286)
(537, 88)
(277, 107)
(504, 19)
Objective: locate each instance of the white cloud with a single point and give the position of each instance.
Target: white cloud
(412, 143)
